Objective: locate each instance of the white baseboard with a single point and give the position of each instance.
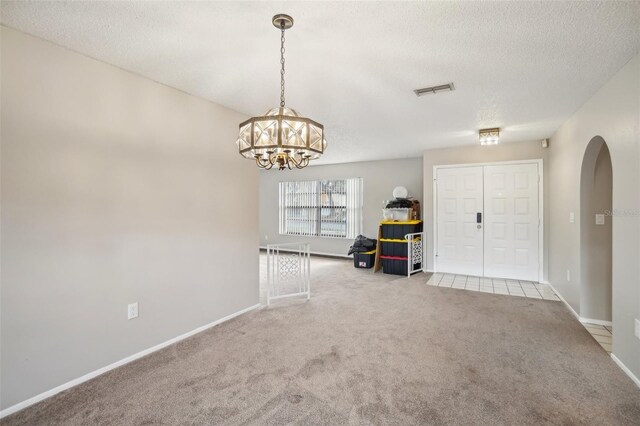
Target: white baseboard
(44, 395)
(626, 370)
(592, 321)
(581, 319)
(595, 321)
(575, 314)
(316, 253)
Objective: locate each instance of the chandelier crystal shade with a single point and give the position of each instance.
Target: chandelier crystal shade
(281, 136)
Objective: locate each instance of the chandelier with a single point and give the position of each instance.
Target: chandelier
(281, 136)
(489, 136)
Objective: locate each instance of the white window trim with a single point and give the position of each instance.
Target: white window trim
(354, 209)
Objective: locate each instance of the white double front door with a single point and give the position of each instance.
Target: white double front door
(487, 221)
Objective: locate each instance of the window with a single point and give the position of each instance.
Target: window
(321, 208)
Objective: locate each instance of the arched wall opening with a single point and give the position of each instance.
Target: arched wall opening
(596, 195)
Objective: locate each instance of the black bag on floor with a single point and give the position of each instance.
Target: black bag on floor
(362, 244)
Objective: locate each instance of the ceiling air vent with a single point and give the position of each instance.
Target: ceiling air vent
(435, 89)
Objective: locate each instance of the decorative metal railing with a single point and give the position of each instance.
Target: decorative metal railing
(288, 271)
(415, 252)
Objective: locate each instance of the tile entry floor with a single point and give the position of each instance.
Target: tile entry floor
(494, 285)
(602, 333)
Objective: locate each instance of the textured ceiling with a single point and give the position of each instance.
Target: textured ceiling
(522, 66)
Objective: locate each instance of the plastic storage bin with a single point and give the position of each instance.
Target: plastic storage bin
(397, 230)
(393, 248)
(364, 260)
(394, 265)
(399, 214)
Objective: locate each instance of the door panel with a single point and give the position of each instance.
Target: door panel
(459, 199)
(511, 221)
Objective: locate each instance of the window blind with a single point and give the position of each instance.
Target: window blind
(321, 208)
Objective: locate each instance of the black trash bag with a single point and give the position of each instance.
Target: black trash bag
(362, 244)
(400, 203)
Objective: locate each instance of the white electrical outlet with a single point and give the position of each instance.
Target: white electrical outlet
(266, 237)
(568, 274)
(637, 328)
(572, 217)
(132, 311)
(599, 219)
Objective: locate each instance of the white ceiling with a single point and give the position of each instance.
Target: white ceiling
(522, 66)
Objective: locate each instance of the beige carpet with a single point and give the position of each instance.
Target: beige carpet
(367, 349)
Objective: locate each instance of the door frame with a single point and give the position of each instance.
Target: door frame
(537, 161)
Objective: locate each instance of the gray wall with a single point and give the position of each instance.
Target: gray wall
(111, 189)
(596, 240)
(379, 179)
(480, 154)
(614, 114)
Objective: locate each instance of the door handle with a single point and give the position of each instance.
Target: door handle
(478, 217)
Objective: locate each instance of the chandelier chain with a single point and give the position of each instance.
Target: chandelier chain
(282, 64)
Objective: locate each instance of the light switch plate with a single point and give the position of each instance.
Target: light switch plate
(599, 219)
(572, 217)
(132, 310)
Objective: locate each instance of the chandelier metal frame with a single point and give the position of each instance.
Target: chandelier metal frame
(281, 136)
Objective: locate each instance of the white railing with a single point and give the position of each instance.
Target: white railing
(288, 271)
(415, 252)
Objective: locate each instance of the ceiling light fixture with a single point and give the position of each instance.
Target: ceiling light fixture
(489, 136)
(281, 136)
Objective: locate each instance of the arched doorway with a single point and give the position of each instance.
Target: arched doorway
(596, 193)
